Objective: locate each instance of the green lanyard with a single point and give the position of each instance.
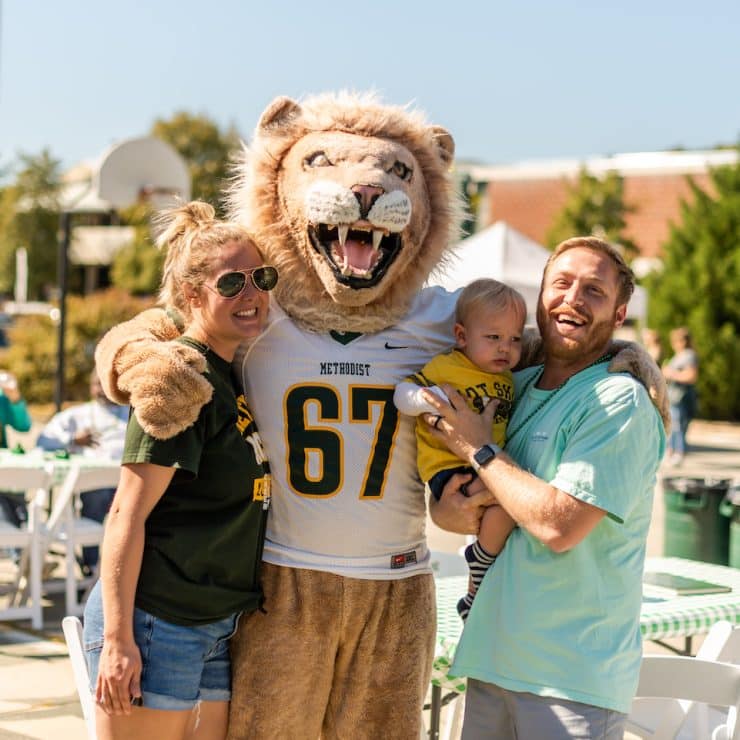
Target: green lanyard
(535, 379)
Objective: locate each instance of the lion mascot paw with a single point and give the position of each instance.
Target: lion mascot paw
(139, 364)
(632, 358)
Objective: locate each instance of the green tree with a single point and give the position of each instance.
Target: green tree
(137, 267)
(206, 149)
(472, 194)
(698, 288)
(595, 207)
(29, 217)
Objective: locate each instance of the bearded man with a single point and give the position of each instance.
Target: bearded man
(552, 645)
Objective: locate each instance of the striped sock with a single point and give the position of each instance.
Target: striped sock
(463, 606)
(479, 561)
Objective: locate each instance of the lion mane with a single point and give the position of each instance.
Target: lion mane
(353, 201)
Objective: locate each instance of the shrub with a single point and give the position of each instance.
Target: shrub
(32, 351)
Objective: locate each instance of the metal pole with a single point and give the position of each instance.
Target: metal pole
(65, 231)
(20, 291)
(434, 712)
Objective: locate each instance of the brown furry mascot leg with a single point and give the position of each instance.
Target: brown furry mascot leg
(384, 663)
(323, 630)
(281, 660)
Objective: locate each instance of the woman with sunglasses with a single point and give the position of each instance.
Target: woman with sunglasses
(185, 532)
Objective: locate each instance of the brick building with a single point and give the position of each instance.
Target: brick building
(529, 195)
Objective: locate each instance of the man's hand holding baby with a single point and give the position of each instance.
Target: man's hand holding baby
(460, 428)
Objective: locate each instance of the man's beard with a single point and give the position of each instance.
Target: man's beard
(595, 341)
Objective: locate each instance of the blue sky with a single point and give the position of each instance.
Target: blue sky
(510, 80)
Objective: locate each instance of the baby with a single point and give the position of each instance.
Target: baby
(489, 321)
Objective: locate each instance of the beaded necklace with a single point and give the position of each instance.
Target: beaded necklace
(535, 379)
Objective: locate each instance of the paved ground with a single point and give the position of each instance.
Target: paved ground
(37, 695)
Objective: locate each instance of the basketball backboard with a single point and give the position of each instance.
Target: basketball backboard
(142, 169)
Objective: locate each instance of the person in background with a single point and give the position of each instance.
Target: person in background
(94, 429)
(552, 644)
(183, 542)
(681, 373)
(13, 413)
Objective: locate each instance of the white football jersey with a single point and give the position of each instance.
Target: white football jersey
(346, 495)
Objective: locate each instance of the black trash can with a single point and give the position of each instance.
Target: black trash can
(731, 508)
(694, 526)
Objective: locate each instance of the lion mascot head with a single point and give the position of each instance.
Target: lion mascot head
(352, 201)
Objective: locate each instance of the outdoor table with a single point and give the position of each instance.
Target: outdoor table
(689, 615)
(660, 618)
(61, 465)
(32, 459)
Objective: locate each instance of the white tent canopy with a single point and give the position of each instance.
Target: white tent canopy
(503, 253)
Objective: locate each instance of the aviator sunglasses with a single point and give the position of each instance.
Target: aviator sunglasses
(232, 284)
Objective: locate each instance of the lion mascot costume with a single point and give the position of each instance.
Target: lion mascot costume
(352, 200)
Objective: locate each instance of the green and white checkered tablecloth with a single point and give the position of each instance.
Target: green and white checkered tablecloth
(682, 616)
(685, 616)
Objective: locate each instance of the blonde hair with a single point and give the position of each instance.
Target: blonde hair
(192, 237)
(489, 294)
(625, 276)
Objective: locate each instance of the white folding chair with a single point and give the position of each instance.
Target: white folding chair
(650, 717)
(72, 628)
(67, 528)
(695, 679)
(25, 593)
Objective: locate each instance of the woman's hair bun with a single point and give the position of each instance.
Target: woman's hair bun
(177, 223)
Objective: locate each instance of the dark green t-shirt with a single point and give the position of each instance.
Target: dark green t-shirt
(204, 537)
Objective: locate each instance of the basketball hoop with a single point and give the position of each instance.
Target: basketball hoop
(158, 198)
(142, 169)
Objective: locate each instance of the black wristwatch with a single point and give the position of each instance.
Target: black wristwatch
(484, 455)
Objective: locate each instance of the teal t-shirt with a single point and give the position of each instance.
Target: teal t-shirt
(14, 415)
(204, 537)
(567, 624)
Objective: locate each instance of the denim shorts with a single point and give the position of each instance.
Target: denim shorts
(181, 665)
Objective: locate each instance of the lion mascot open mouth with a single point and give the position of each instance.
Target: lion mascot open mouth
(353, 201)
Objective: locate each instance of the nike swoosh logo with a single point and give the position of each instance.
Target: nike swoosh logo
(395, 346)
